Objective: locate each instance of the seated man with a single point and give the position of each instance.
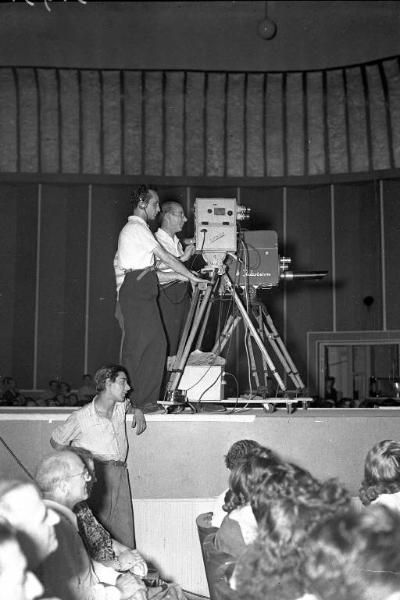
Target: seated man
(16, 582)
(70, 572)
(22, 506)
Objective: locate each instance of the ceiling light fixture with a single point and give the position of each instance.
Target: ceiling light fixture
(266, 28)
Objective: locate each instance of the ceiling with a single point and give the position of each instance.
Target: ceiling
(197, 35)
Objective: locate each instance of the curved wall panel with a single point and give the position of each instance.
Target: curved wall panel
(201, 124)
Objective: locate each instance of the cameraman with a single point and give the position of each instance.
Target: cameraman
(144, 346)
(174, 296)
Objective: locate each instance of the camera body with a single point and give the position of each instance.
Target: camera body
(216, 229)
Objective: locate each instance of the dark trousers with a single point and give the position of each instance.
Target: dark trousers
(144, 349)
(174, 302)
(111, 502)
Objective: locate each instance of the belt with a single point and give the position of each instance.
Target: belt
(142, 272)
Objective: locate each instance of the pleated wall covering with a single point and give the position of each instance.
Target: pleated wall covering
(200, 124)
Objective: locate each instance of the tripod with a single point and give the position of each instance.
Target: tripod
(264, 332)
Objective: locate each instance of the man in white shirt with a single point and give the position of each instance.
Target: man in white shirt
(174, 297)
(144, 348)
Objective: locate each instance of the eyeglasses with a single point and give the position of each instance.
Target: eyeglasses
(177, 214)
(86, 474)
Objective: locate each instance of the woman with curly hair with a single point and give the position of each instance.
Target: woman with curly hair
(239, 527)
(381, 483)
(355, 556)
(287, 505)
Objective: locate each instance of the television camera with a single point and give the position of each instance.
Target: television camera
(236, 258)
(252, 256)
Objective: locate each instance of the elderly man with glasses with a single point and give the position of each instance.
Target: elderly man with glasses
(70, 573)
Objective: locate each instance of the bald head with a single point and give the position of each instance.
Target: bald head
(172, 217)
(63, 477)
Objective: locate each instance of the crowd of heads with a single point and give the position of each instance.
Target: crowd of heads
(313, 541)
(57, 393)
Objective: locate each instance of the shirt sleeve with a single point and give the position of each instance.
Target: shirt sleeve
(67, 432)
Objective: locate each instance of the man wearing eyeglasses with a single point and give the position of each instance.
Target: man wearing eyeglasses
(70, 573)
(174, 297)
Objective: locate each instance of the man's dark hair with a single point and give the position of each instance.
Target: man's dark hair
(141, 194)
(107, 372)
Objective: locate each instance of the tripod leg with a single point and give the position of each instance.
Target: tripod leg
(226, 333)
(203, 327)
(281, 351)
(253, 365)
(258, 316)
(180, 364)
(254, 333)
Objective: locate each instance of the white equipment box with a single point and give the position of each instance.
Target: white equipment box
(196, 379)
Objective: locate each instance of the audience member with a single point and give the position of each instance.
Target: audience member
(87, 391)
(381, 484)
(98, 541)
(16, 582)
(354, 556)
(236, 452)
(83, 560)
(69, 572)
(22, 506)
(65, 396)
(50, 393)
(287, 505)
(331, 394)
(11, 393)
(239, 527)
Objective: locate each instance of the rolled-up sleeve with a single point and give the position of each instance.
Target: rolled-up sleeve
(67, 432)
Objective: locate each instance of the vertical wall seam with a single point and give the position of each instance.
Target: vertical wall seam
(205, 149)
(37, 287)
(122, 120)
(370, 155)
(17, 120)
(333, 257)
(143, 121)
(306, 161)
(325, 122)
(184, 126)
(347, 121)
(284, 219)
(39, 125)
(284, 126)
(59, 120)
(388, 116)
(225, 132)
(264, 127)
(80, 120)
(383, 255)
(102, 117)
(245, 117)
(163, 122)
(87, 291)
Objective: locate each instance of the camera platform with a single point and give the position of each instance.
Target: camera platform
(269, 405)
